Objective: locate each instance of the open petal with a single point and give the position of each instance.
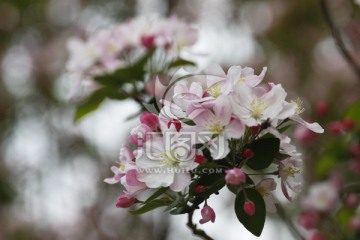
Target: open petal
(315, 127)
(181, 181)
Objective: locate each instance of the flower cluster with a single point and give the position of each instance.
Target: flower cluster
(117, 47)
(223, 129)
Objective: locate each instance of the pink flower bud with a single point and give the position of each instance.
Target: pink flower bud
(352, 200)
(207, 214)
(336, 128)
(309, 219)
(176, 123)
(355, 223)
(303, 134)
(249, 208)
(149, 119)
(322, 109)
(147, 40)
(235, 176)
(248, 153)
(348, 124)
(124, 201)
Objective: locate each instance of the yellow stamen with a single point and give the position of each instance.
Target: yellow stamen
(214, 125)
(262, 191)
(291, 171)
(214, 90)
(258, 106)
(299, 104)
(169, 159)
(242, 79)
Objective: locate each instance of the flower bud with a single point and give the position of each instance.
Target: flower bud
(249, 208)
(124, 201)
(255, 129)
(235, 176)
(200, 159)
(199, 189)
(322, 109)
(348, 124)
(138, 135)
(176, 123)
(147, 40)
(336, 128)
(352, 200)
(149, 119)
(317, 236)
(309, 219)
(248, 153)
(207, 214)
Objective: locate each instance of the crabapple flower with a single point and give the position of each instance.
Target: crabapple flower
(207, 214)
(164, 166)
(139, 134)
(321, 197)
(265, 187)
(309, 219)
(125, 201)
(289, 170)
(237, 74)
(249, 208)
(235, 176)
(254, 108)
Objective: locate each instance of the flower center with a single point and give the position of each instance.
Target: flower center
(242, 79)
(299, 104)
(262, 191)
(214, 125)
(214, 90)
(258, 106)
(291, 171)
(169, 159)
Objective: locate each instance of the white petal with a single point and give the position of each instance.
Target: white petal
(315, 127)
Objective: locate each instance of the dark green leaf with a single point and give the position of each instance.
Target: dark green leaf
(255, 223)
(188, 121)
(157, 194)
(181, 62)
(265, 150)
(96, 98)
(152, 205)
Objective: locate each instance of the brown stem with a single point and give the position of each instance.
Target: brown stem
(192, 226)
(338, 39)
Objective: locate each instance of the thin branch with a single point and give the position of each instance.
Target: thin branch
(338, 39)
(192, 226)
(282, 214)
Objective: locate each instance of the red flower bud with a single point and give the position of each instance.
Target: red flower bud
(248, 153)
(255, 129)
(150, 120)
(336, 128)
(200, 159)
(147, 40)
(176, 123)
(348, 124)
(199, 189)
(249, 208)
(322, 109)
(124, 201)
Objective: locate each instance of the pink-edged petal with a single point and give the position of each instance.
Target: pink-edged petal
(285, 191)
(222, 109)
(254, 80)
(315, 127)
(235, 129)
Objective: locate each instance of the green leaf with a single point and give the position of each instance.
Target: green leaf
(188, 121)
(152, 205)
(157, 194)
(343, 216)
(135, 71)
(179, 210)
(181, 62)
(255, 223)
(96, 98)
(265, 150)
(324, 164)
(353, 112)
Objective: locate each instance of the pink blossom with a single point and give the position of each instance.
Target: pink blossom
(207, 214)
(352, 200)
(303, 134)
(289, 172)
(150, 120)
(139, 135)
(322, 109)
(235, 176)
(322, 196)
(249, 208)
(309, 219)
(355, 223)
(124, 201)
(265, 187)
